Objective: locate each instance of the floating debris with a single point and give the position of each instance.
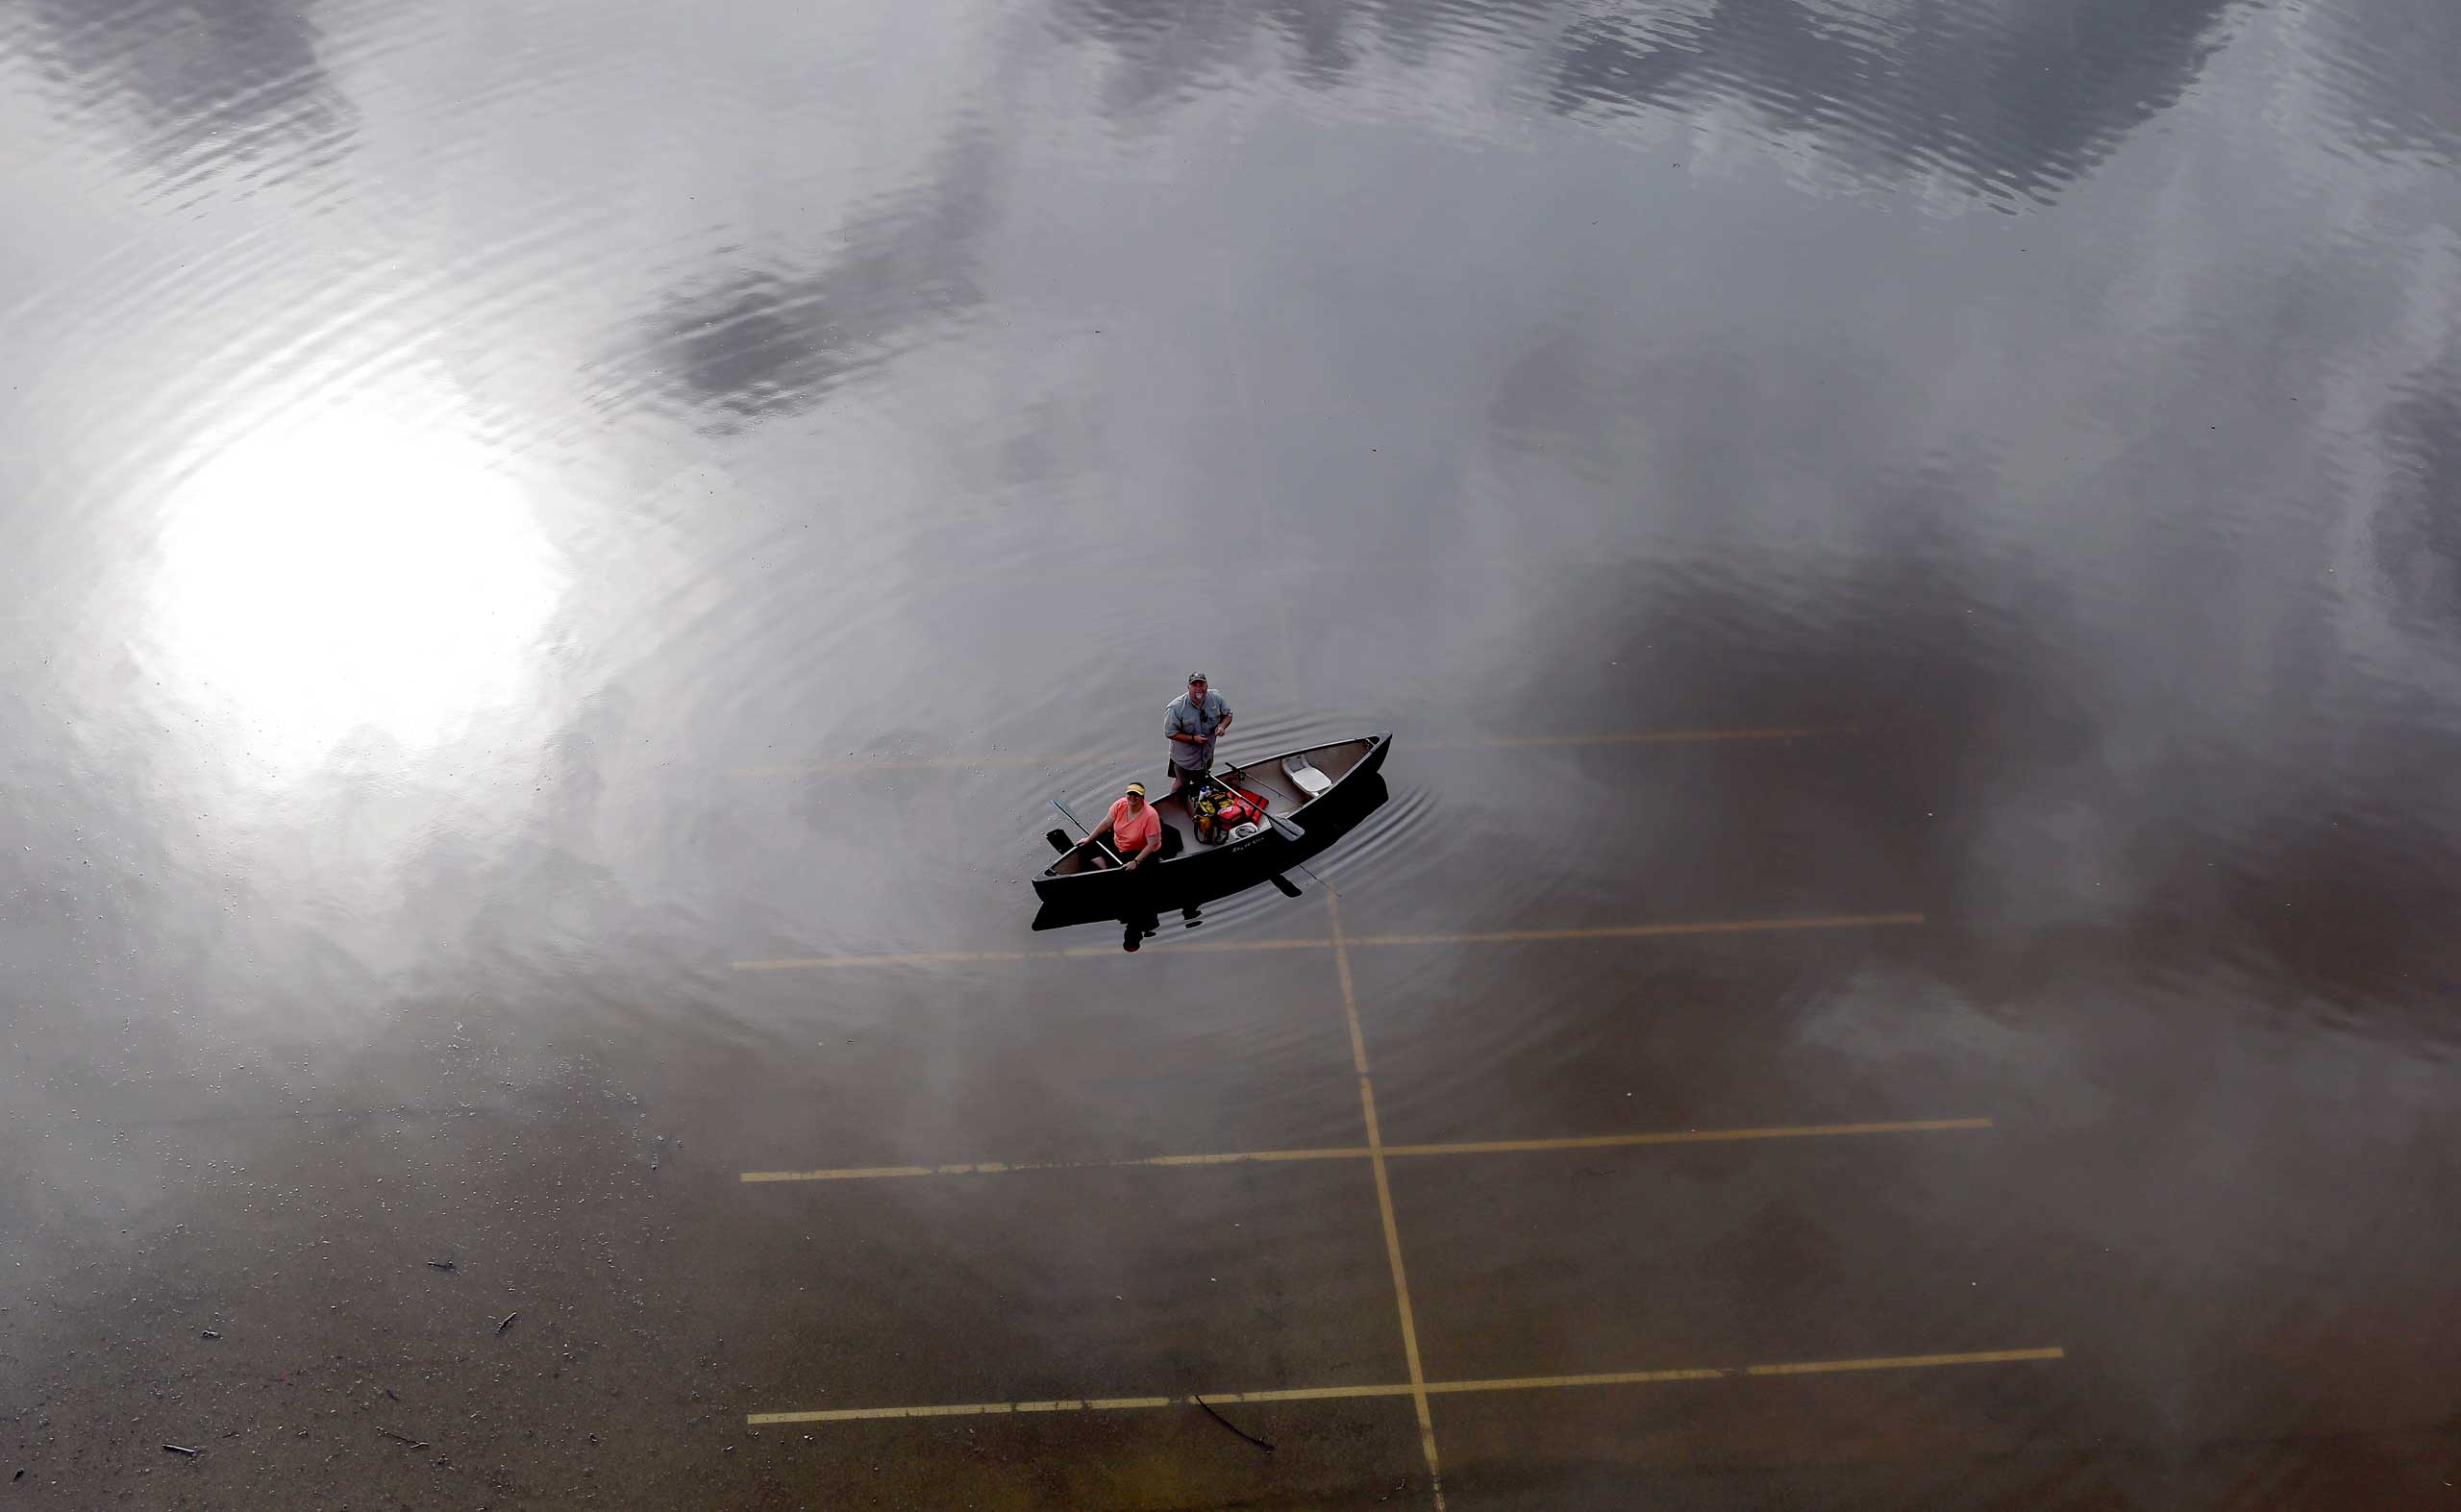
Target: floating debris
(507, 1322)
(1233, 1426)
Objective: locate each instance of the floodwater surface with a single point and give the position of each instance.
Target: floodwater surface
(555, 557)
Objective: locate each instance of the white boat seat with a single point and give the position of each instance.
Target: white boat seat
(1312, 783)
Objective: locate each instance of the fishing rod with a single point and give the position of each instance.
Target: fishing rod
(1087, 834)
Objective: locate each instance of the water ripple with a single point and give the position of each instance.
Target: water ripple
(199, 86)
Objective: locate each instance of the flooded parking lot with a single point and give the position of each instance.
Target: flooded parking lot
(558, 559)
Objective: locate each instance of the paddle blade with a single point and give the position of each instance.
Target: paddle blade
(1289, 888)
(1059, 840)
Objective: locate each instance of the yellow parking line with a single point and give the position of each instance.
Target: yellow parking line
(999, 1167)
(1384, 1200)
(1066, 952)
(1612, 932)
(1312, 1393)
(1203, 948)
(974, 1409)
(1493, 1147)
(1689, 1136)
(1905, 1362)
(1894, 1362)
(1645, 932)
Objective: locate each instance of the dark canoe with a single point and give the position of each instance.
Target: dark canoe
(1320, 780)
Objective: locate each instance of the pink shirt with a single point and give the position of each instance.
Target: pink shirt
(1130, 831)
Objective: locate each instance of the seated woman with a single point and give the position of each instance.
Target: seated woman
(1135, 831)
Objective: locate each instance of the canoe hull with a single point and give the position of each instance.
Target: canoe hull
(1211, 871)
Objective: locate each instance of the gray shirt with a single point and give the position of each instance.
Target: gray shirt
(1187, 718)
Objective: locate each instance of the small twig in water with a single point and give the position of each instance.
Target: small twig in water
(507, 1322)
(1233, 1426)
(403, 1438)
(445, 1264)
(211, 1334)
(178, 1449)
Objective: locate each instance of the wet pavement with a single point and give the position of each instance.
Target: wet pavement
(555, 558)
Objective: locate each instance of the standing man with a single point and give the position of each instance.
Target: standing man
(1197, 718)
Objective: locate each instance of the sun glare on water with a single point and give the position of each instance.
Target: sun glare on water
(341, 573)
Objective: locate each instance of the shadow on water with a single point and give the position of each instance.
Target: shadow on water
(2013, 104)
(2017, 98)
(1328, 820)
(204, 81)
(2024, 102)
(2386, 70)
(2416, 531)
(751, 343)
